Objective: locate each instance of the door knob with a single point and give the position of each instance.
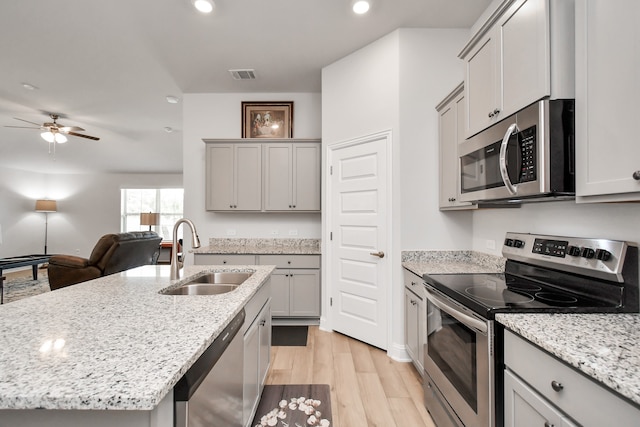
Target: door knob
(379, 254)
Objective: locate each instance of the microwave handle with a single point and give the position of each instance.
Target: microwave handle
(503, 159)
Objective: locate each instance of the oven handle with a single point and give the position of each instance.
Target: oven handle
(503, 159)
(454, 312)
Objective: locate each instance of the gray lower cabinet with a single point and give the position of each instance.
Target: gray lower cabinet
(541, 390)
(257, 351)
(414, 319)
(295, 285)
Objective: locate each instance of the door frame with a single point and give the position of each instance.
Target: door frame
(326, 318)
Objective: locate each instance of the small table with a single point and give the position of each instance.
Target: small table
(21, 261)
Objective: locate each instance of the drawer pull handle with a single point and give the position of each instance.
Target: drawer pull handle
(548, 424)
(556, 386)
(636, 175)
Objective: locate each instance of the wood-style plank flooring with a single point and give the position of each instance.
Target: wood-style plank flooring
(367, 387)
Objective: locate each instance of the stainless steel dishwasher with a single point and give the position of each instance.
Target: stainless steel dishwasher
(210, 392)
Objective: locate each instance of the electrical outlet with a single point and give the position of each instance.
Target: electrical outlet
(274, 232)
(293, 232)
(491, 244)
(231, 232)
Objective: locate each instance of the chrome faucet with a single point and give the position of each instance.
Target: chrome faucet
(195, 242)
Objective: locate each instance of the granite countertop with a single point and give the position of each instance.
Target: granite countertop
(261, 246)
(451, 262)
(606, 347)
(111, 343)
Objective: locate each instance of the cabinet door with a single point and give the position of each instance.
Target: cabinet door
(264, 357)
(411, 323)
(248, 177)
(482, 85)
(451, 132)
(306, 177)
(304, 293)
(278, 177)
(525, 52)
(607, 91)
(251, 385)
(280, 293)
(219, 176)
(523, 407)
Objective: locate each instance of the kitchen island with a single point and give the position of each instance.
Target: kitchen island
(109, 351)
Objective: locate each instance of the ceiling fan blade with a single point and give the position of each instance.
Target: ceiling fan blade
(68, 129)
(23, 127)
(84, 136)
(33, 123)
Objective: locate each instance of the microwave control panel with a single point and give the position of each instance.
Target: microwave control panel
(527, 143)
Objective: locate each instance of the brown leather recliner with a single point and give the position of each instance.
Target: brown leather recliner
(113, 253)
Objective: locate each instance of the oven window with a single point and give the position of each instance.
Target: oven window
(452, 347)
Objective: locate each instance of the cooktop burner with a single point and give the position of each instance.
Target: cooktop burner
(494, 296)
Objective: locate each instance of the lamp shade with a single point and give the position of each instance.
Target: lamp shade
(149, 218)
(46, 205)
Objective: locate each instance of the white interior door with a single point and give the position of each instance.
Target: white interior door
(359, 223)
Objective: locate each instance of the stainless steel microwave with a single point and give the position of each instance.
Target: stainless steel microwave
(528, 156)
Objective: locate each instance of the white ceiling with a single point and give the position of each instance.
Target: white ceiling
(107, 66)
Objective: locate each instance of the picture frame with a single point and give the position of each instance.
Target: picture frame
(267, 119)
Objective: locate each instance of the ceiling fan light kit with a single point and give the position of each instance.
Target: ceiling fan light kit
(54, 137)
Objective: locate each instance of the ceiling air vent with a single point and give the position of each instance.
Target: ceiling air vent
(247, 74)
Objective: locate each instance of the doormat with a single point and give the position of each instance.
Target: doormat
(294, 405)
(289, 335)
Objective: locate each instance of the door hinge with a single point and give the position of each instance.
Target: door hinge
(330, 170)
(331, 302)
(331, 235)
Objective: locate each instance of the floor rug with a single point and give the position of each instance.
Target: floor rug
(294, 405)
(289, 335)
(23, 287)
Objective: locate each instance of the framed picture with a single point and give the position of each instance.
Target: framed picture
(267, 119)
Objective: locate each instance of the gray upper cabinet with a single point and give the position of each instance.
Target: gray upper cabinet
(292, 176)
(451, 112)
(234, 177)
(607, 90)
(522, 53)
(280, 175)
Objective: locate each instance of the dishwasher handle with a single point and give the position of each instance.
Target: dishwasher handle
(188, 384)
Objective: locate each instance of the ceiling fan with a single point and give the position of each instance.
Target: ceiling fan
(55, 132)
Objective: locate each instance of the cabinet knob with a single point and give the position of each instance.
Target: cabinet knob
(263, 322)
(491, 114)
(548, 424)
(636, 175)
(556, 386)
(290, 206)
(288, 262)
(224, 261)
(496, 111)
(413, 283)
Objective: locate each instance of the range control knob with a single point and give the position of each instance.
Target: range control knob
(603, 255)
(508, 242)
(587, 253)
(518, 243)
(573, 250)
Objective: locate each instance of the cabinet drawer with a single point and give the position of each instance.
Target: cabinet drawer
(222, 259)
(290, 261)
(581, 398)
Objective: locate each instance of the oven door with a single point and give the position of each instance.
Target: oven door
(458, 363)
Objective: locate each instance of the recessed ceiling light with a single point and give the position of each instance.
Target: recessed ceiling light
(361, 6)
(172, 99)
(28, 86)
(204, 6)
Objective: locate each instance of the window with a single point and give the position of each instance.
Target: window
(168, 202)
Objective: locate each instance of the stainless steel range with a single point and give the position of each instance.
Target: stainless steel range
(463, 348)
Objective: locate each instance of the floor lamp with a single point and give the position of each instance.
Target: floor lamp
(46, 206)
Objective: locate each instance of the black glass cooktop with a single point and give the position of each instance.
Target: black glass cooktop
(487, 294)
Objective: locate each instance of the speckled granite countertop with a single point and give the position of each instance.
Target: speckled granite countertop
(111, 343)
(261, 246)
(605, 347)
(451, 262)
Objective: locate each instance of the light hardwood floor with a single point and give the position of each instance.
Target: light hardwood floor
(367, 387)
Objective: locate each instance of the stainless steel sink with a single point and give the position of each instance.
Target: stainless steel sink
(210, 284)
